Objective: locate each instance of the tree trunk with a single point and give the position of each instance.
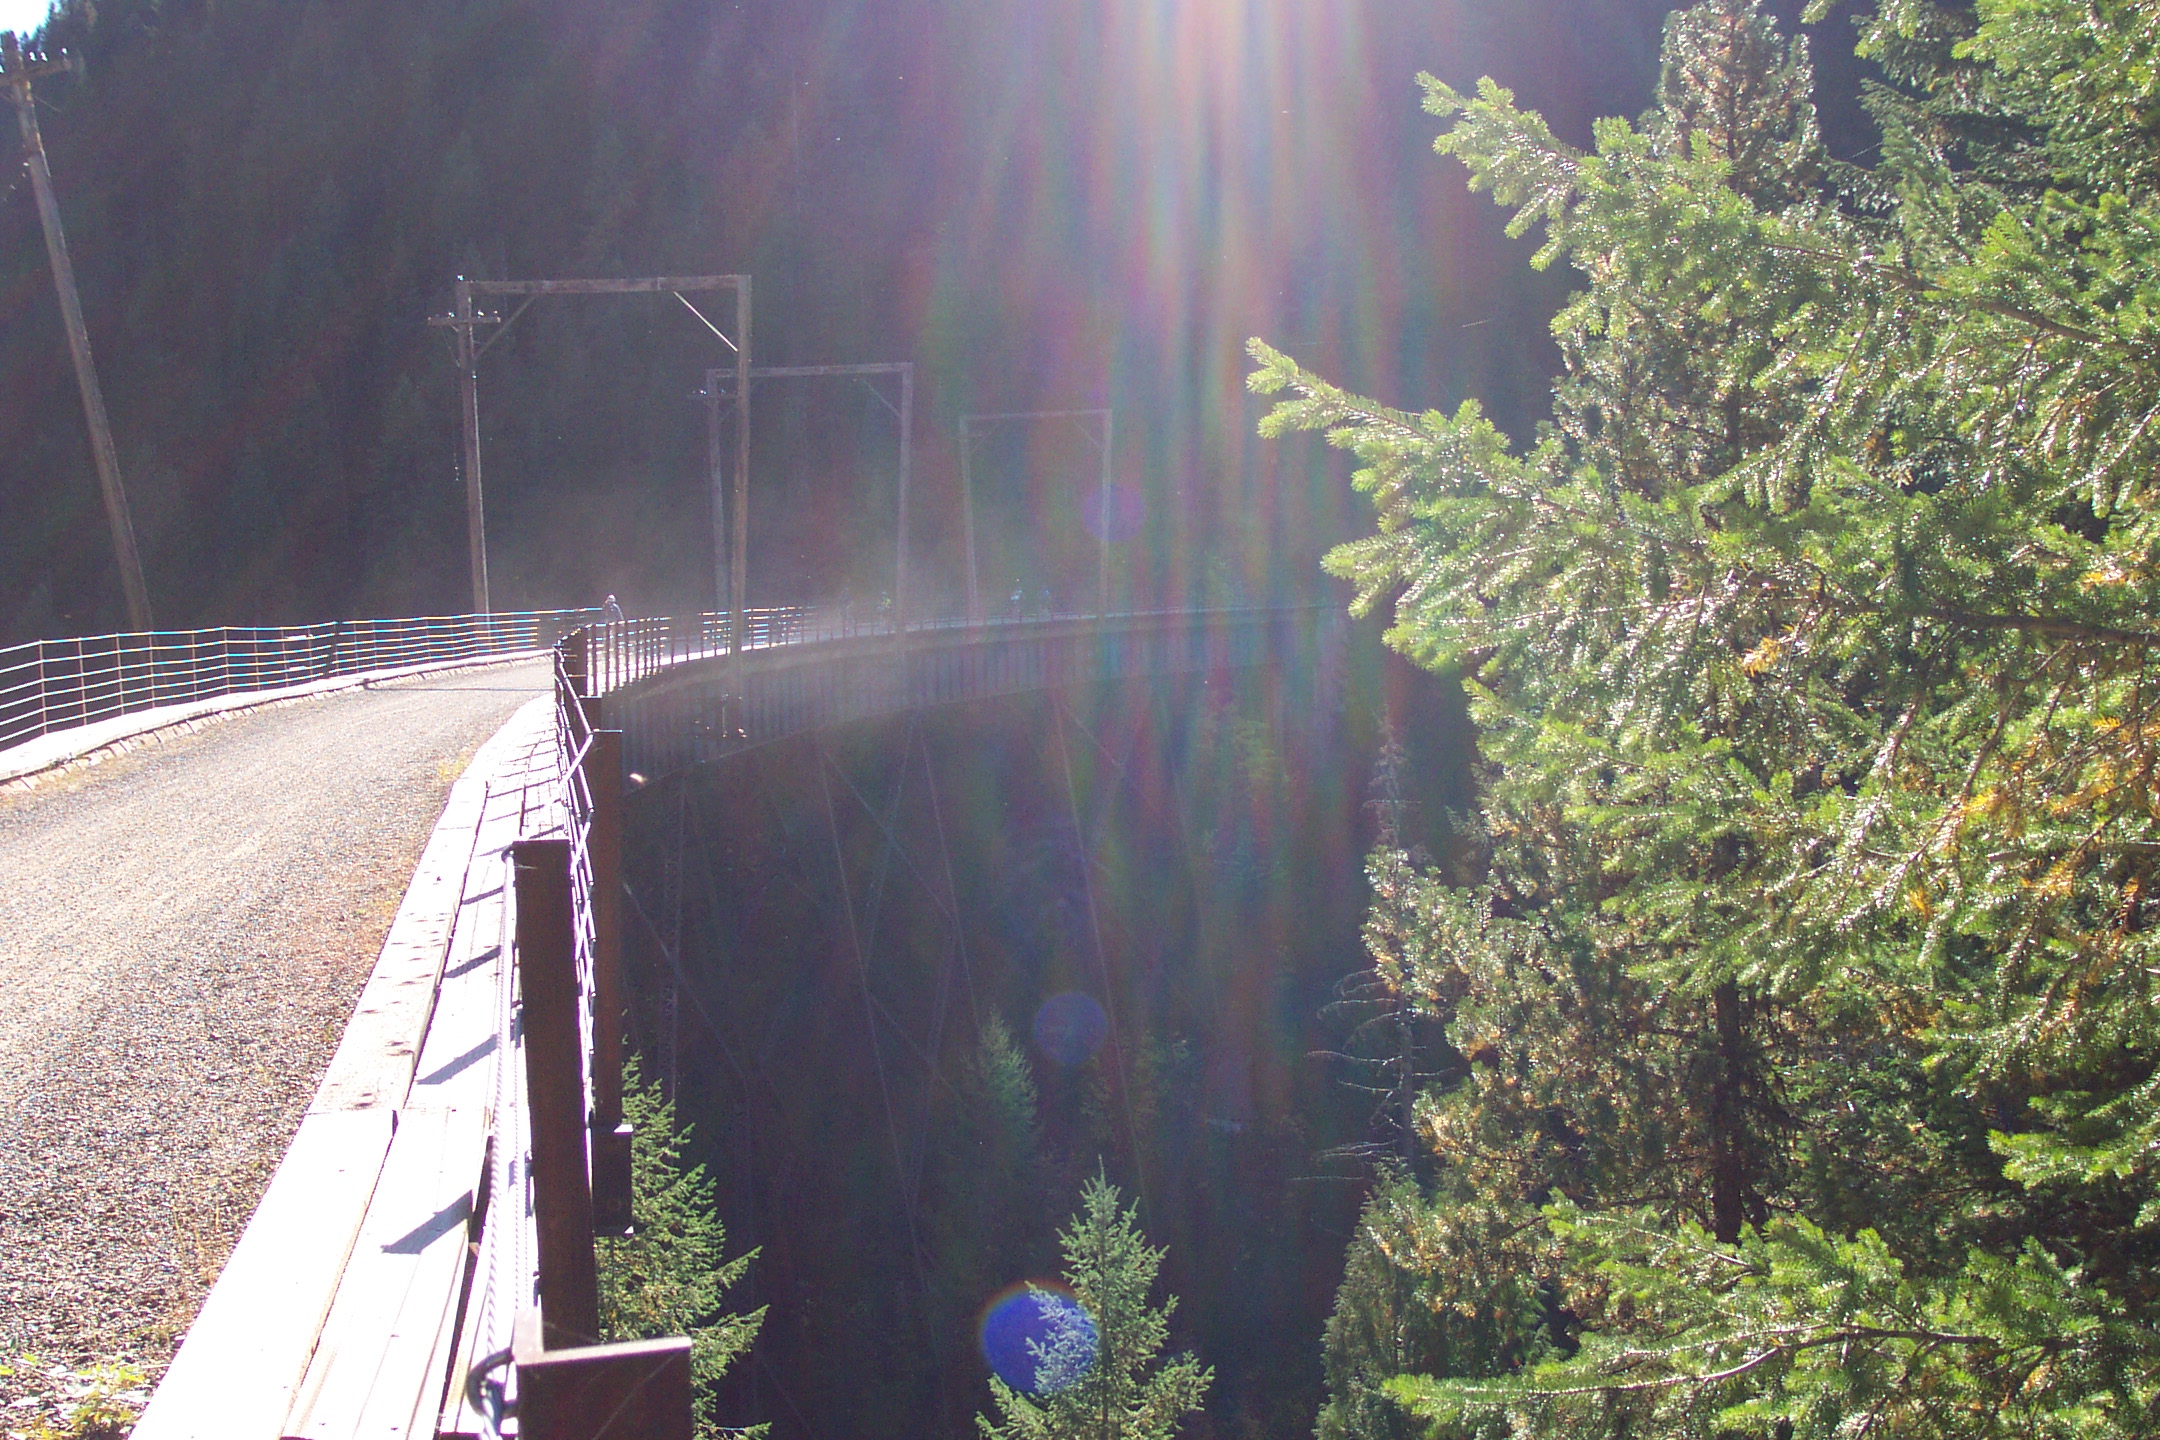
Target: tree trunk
(1728, 1177)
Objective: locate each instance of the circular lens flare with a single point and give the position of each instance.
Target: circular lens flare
(1038, 1338)
(1069, 1028)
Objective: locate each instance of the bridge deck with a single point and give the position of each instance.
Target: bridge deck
(340, 1312)
(676, 713)
(369, 1281)
(182, 935)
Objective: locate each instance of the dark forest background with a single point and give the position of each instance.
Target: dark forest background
(1042, 204)
(825, 930)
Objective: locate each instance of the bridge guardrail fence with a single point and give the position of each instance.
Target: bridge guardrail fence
(619, 653)
(566, 956)
(589, 774)
(48, 686)
(567, 904)
(53, 685)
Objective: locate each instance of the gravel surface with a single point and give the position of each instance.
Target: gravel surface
(183, 932)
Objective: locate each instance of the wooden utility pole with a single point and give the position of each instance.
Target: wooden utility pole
(463, 320)
(18, 73)
(1102, 551)
(967, 527)
(907, 446)
(739, 565)
(716, 476)
(468, 362)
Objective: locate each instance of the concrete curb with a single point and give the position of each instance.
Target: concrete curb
(32, 763)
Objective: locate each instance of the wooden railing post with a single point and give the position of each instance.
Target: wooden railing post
(555, 1093)
(632, 1390)
(586, 670)
(576, 658)
(610, 1136)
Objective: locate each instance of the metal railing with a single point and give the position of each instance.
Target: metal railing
(619, 653)
(623, 652)
(588, 771)
(568, 1134)
(567, 908)
(53, 685)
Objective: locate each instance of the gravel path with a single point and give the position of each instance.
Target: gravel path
(183, 932)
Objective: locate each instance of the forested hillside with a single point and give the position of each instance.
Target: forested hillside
(1799, 974)
(1041, 204)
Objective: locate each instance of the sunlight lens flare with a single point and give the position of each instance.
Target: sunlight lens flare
(1037, 1337)
(1070, 1028)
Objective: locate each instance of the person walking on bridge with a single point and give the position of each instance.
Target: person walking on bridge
(611, 612)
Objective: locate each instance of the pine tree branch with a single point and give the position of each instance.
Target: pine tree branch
(1918, 284)
(2055, 627)
(1840, 1336)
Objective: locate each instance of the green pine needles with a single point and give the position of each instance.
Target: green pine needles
(1106, 1384)
(667, 1277)
(1807, 984)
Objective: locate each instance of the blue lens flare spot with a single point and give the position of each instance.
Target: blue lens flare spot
(1069, 1028)
(1038, 1338)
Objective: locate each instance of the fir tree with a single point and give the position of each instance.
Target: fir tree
(1099, 1378)
(1807, 993)
(987, 1208)
(667, 1276)
(1383, 1325)
(988, 1217)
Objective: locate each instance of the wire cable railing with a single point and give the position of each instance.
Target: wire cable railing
(610, 655)
(47, 686)
(53, 685)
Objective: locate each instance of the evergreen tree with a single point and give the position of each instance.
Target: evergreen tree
(1382, 1325)
(1097, 1377)
(988, 1219)
(667, 1276)
(1383, 1043)
(1807, 990)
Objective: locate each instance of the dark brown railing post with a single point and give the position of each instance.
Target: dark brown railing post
(586, 670)
(576, 658)
(632, 1390)
(603, 845)
(555, 1093)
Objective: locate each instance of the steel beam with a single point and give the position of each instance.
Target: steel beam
(647, 285)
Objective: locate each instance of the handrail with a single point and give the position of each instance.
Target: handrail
(569, 1137)
(54, 685)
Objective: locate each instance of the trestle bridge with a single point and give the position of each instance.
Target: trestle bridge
(422, 1262)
